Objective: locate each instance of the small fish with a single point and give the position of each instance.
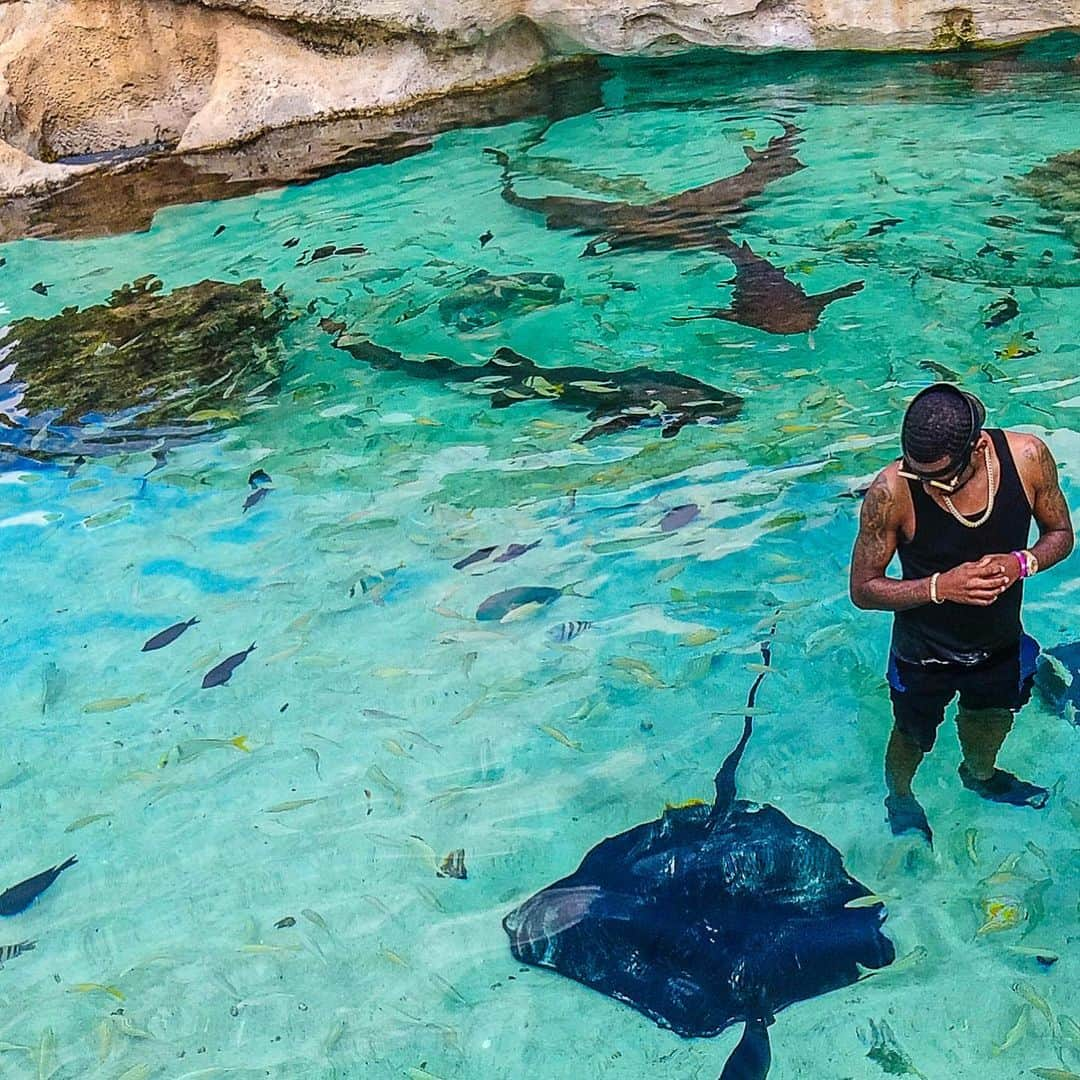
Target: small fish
(453, 865)
(192, 748)
(96, 988)
(971, 837)
(376, 775)
(559, 736)
(221, 673)
(255, 498)
(513, 551)
(81, 823)
(258, 478)
(669, 573)
(394, 958)
(1001, 311)
(699, 637)
(12, 952)
(1016, 1032)
(1056, 1074)
(940, 369)
(567, 631)
(284, 924)
(486, 237)
(421, 739)
(315, 919)
(872, 900)
(291, 242)
(168, 636)
(639, 670)
(259, 948)
(879, 227)
(312, 753)
(501, 606)
(1036, 1001)
(112, 704)
(323, 252)
(219, 230)
(19, 897)
(1000, 915)
(354, 249)
(474, 557)
(680, 516)
(41, 288)
(292, 804)
(1046, 957)
(1017, 346)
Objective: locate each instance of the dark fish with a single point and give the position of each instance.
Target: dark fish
(323, 252)
(940, 369)
(764, 297)
(1001, 311)
(167, 637)
(219, 230)
(221, 673)
(486, 238)
(76, 465)
(161, 459)
(708, 917)
(3, 261)
(284, 924)
(20, 897)
(356, 249)
(11, 952)
(880, 226)
(514, 550)
(680, 516)
(479, 555)
(614, 400)
(1003, 221)
(291, 242)
(331, 326)
(623, 286)
(1003, 254)
(283, 707)
(689, 219)
(497, 606)
(40, 288)
(259, 476)
(567, 631)
(256, 497)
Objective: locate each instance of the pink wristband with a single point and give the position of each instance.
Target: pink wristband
(1021, 558)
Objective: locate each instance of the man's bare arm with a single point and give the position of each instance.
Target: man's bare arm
(1051, 512)
(874, 548)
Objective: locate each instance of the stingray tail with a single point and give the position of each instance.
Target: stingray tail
(725, 778)
(750, 1060)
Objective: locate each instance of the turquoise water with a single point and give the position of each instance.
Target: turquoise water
(388, 727)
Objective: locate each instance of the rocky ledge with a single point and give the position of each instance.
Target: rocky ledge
(83, 82)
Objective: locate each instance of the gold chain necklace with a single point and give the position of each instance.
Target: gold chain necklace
(989, 498)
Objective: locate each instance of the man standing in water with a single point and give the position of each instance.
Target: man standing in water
(957, 508)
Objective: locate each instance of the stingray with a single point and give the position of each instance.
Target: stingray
(615, 400)
(709, 916)
(1057, 678)
(764, 297)
(688, 219)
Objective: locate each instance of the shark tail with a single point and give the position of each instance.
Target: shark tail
(750, 1060)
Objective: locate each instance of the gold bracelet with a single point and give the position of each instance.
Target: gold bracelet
(933, 588)
(1033, 563)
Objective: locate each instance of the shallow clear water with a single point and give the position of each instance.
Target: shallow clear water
(416, 729)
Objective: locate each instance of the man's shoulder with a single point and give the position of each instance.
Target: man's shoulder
(888, 493)
(1028, 452)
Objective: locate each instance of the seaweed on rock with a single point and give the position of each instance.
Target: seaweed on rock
(142, 366)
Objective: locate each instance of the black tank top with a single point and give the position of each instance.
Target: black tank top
(963, 633)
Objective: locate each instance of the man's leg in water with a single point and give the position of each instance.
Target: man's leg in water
(988, 701)
(982, 731)
(918, 700)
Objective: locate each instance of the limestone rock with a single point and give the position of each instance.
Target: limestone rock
(90, 77)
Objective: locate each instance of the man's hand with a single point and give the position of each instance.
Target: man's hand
(979, 583)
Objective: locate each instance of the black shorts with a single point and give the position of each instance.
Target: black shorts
(920, 693)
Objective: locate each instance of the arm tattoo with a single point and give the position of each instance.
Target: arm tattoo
(1051, 511)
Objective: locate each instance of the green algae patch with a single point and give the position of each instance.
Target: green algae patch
(188, 360)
